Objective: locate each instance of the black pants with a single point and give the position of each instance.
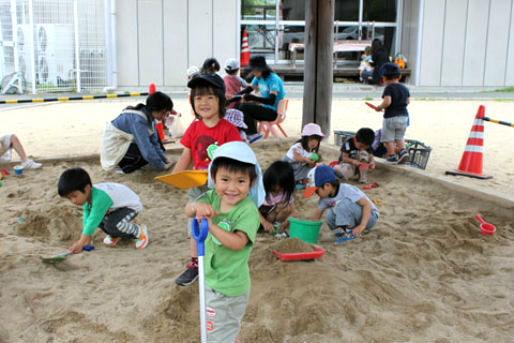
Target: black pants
(133, 159)
(254, 112)
(118, 223)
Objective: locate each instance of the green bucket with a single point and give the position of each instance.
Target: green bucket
(306, 231)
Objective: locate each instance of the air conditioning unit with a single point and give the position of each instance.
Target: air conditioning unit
(55, 51)
(24, 45)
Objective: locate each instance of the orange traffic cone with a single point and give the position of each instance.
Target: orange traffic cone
(160, 130)
(151, 89)
(471, 161)
(245, 51)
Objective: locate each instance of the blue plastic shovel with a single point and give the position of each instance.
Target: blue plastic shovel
(61, 257)
(200, 232)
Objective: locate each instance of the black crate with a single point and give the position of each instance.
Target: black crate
(418, 151)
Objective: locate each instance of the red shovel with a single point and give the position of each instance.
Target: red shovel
(371, 105)
(485, 228)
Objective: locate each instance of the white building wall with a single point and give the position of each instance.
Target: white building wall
(159, 39)
(509, 63)
(476, 41)
(497, 42)
(432, 43)
(467, 43)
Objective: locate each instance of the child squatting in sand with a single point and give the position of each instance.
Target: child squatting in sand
(349, 209)
(110, 206)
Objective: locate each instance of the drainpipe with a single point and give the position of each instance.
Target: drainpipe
(111, 48)
(419, 42)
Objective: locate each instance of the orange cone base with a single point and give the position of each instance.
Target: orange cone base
(462, 173)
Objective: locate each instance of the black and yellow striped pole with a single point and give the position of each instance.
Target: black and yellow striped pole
(72, 98)
(501, 122)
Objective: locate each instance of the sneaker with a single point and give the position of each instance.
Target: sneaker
(142, 240)
(254, 137)
(111, 241)
(403, 156)
(188, 276)
(30, 164)
(392, 159)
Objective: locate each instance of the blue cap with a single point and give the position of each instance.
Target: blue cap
(317, 177)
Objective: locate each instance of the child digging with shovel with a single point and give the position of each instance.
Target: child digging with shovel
(110, 206)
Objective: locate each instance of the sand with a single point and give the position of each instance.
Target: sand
(425, 273)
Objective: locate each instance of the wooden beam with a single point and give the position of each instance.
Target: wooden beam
(324, 78)
(318, 70)
(310, 65)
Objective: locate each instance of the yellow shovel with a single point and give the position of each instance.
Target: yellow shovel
(185, 179)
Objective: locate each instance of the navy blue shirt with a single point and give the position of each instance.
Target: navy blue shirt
(399, 100)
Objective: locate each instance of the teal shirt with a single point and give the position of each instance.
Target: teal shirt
(95, 211)
(226, 270)
(266, 85)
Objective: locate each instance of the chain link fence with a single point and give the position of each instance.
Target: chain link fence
(53, 45)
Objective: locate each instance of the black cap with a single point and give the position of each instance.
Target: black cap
(389, 69)
(258, 63)
(211, 79)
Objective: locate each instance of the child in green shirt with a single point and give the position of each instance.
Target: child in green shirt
(231, 209)
(110, 206)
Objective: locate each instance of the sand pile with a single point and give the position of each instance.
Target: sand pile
(424, 273)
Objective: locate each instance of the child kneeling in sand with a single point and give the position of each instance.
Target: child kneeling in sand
(349, 209)
(110, 206)
(231, 211)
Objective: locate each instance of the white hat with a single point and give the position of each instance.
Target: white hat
(231, 64)
(192, 71)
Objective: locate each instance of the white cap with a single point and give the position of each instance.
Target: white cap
(192, 71)
(231, 64)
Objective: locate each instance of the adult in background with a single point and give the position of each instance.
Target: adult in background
(130, 141)
(378, 58)
(271, 90)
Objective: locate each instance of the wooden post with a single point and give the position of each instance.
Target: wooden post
(318, 70)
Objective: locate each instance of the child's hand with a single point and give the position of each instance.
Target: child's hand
(80, 244)
(268, 227)
(358, 230)
(203, 210)
(372, 165)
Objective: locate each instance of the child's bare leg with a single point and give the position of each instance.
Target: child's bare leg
(193, 248)
(284, 213)
(16, 144)
(400, 144)
(390, 148)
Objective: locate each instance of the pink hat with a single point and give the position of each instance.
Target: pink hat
(312, 129)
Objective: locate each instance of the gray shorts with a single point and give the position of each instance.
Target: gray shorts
(223, 315)
(348, 213)
(193, 194)
(393, 129)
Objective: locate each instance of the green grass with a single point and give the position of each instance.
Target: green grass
(367, 98)
(503, 100)
(502, 90)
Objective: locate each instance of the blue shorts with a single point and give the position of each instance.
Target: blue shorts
(393, 129)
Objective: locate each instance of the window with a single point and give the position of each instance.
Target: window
(271, 31)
